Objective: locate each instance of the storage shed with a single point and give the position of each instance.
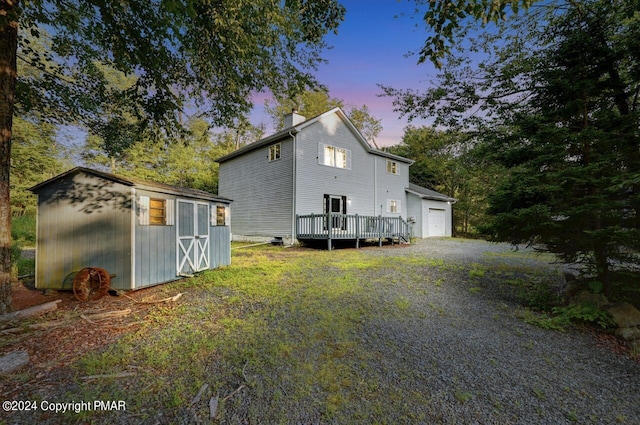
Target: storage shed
(144, 233)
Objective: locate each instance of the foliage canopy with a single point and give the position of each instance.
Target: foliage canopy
(210, 55)
(557, 105)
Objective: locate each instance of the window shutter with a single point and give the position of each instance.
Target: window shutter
(169, 212)
(143, 210)
(398, 207)
(348, 153)
(321, 153)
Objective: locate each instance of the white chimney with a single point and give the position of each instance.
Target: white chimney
(293, 119)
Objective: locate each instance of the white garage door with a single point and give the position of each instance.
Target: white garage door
(437, 222)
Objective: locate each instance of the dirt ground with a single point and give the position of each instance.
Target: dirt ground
(67, 335)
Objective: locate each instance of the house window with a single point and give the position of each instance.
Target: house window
(333, 156)
(392, 167)
(274, 152)
(157, 212)
(393, 206)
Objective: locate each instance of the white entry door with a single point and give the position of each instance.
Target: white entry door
(437, 222)
(193, 237)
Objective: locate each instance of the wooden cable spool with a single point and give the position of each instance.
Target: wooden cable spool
(91, 283)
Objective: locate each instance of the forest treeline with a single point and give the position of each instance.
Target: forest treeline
(535, 108)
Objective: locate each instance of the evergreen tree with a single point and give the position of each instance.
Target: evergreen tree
(573, 148)
(444, 162)
(552, 96)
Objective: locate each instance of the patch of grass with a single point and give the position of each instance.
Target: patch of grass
(23, 230)
(291, 328)
(539, 393)
(560, 318)
(462, 396)
(477, 270)
(402, 303)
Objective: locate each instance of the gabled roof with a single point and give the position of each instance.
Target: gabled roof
(425, 193)
(134, 182)
(291, 131)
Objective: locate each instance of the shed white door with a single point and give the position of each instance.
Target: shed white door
(193, 237)
(437, 222)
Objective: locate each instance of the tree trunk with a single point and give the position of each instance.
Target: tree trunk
(8, 71)
(602, 269)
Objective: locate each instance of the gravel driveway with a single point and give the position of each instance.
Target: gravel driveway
(430, 333)
(481, 364)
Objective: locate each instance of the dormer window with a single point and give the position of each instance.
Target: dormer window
(274, 152)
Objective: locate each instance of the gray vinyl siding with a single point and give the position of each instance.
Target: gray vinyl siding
(83, 221)
(314, 180)
(155, 253)
(391, 186)
(261, 191)
(414, 209)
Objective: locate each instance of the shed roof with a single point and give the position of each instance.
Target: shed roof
(425, 193)
(290, 131)
(134, 182)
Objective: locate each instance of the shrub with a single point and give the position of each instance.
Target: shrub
(23, 229)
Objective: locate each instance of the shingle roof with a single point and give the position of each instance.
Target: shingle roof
(288, 132)
(136, 182)
(425, 193)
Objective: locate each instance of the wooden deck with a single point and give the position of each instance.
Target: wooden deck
(355, 227)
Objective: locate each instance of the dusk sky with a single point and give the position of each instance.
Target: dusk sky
(369, 49)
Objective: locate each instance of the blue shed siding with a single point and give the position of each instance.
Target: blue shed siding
(262, 191)
(91, 219)
(155, 248)
(83, 221)
(220, 252)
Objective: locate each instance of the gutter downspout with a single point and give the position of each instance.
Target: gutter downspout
(294, 188)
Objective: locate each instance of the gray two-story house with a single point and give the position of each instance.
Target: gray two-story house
(316, 167)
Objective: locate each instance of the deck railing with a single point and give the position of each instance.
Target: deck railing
(356, 227)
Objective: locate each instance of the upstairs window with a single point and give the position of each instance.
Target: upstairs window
(333, 156)
(392, 167)
(274, 152)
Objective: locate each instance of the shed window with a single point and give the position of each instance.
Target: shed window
(221, 215)
(157, 212)
(392, 167)
(274, 152)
